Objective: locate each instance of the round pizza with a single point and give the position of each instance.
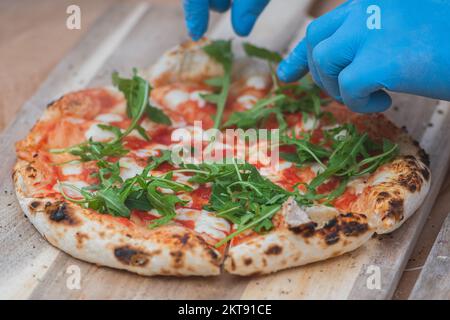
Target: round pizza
(206, 162)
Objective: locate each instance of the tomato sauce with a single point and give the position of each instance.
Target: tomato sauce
(135, 143)
(328, 186)
(200, 197)
(344, 202)
(163, 136)
(294, 175)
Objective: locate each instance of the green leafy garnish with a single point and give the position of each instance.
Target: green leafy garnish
(136, 91)
(93, 150)
(142, 192)
(349, 154)
(240, 194)
(262, 53)
(220, 51)
(285, 100)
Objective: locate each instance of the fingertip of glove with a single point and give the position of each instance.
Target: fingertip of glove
(378, 101)
(288, 73)
(244, 25)
(195, 37)
(195, 30)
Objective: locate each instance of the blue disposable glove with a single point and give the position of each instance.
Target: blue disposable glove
(243, 14)
(410, 53)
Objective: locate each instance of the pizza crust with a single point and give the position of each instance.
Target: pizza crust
(295, 246)
(103, 240)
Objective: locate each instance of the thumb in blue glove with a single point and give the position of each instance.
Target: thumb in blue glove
(356, 61)
(244, 14)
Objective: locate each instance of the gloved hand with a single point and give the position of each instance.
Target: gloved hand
(243, 14)
(354, 63)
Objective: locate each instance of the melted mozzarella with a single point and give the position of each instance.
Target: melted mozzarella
(196, 96)
(182, 178)
(341, 134)
(205, 222)
(272, 172)
(147, 124)
(71, 169)
(187, 198)
(257, 82)
(98, 134)
(75, 120)
(381, 177)
(247, 101)
(109, 117)
(310, 123)
(212, 225)
(151, 151)
(333, 126)
(316, 168)
(357, 185)
(129, 168)
(175, 97)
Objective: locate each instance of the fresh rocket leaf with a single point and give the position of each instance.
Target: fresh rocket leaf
(143, 192)
(254, 116)
(93, 150)
(347, 156)
(214, 82)
(157, 115)
(262, 53)
(286, 99)
(136, 91)
(220, 51)
(240, 194)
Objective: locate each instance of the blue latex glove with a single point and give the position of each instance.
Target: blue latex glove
(243, 14)
(410, 53)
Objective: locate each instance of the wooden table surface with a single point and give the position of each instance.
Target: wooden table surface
(34, 38)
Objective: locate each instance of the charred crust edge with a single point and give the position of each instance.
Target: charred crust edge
(348, 225)
(131, 256)
(61, 212)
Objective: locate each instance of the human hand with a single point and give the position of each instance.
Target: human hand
(355, 61)
(243, 14)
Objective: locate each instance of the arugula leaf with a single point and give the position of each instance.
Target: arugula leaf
(136, 91)
(348, 156)
(240, 194)
(286, 99)
(264, 220)
(94, 150)
(157, 115)
(254, 116)
(220, 50)
(262, 53)
(117, 197)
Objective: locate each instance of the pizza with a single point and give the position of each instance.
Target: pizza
(96, 175)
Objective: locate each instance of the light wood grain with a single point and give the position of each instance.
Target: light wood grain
(33, 39)
(37, 270)
(434, 280)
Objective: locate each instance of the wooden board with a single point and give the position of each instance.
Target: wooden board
(434, 279)
(134, 35)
